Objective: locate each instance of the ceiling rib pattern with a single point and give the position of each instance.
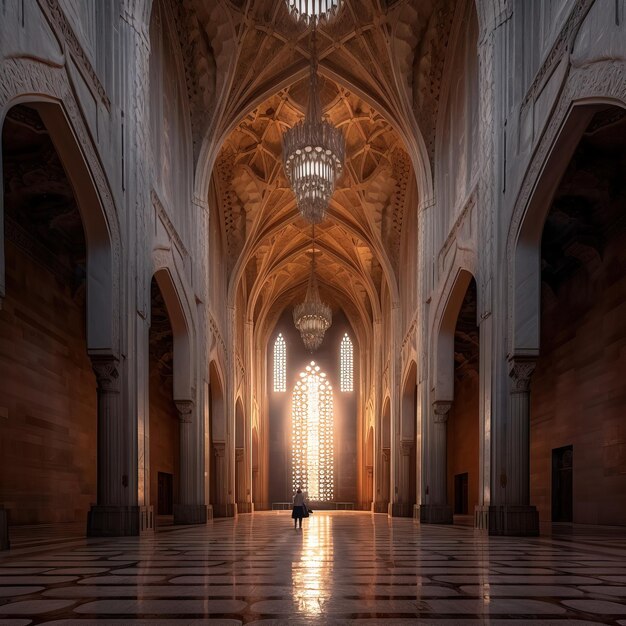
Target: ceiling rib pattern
(369, 74)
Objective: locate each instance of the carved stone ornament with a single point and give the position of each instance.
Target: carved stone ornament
(185, 409)
(440, 411)
(107, 373)
(520, 371)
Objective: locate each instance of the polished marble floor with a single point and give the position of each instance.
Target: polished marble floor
(341, 567)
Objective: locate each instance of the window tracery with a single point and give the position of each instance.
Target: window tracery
(280, 364)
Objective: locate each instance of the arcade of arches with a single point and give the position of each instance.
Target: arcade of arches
(151, 252)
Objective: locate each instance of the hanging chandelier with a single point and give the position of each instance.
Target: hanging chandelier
(313, 10)
(313, 154)
(312, 317)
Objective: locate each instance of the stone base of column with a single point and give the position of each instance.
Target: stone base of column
(4, 529)
(209, 512)
(224, 510)
(436, 514)
(146, 519)
(118, 521)
(380, 507)
(511, 520)
(416, 511)
(190, 514)
(244, 507)
(401, 510)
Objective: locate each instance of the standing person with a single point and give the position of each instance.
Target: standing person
(299, 509)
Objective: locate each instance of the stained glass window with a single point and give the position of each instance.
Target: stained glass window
(280, 364)
(346, 364)
(312, 434)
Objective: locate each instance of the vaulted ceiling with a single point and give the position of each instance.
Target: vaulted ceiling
(381, 62)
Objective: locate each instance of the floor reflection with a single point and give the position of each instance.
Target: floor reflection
(312, 575)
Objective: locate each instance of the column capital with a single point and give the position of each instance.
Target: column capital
(185, 409)
(106, 369)
(441, 408)
(406, 447)
(521, 371)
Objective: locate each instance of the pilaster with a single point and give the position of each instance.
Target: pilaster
(114, 514)
(437, 510)
(187, 510)
(516, 516)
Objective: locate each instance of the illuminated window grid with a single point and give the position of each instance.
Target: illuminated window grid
(312, 435)
(280, 364)
(346, 367)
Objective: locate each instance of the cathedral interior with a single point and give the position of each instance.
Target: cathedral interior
(370, 249)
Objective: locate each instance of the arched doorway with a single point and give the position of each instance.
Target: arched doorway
(454, 448)
(218, 480)
(383, 487)
(407, 470)
(164, 417)
(369, 470)
(577, 400)
(463, 419)
(48, 433)
(241, 483)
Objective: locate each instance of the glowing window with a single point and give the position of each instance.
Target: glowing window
(280, 364)
(345, 364)
(312, 434)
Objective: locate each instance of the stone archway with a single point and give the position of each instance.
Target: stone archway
(173, 406)
(83, 254)
(383, 481)
(569, 466)
(407, 470)
(437, 509)
(218, 479)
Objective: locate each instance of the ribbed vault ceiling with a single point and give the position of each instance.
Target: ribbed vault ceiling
(373, 76)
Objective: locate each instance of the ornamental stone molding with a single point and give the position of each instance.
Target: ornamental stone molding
(560, 48)
(62, 28)
(441, 409)
(185, 410)
(521, 371)
(107, 373)
(33, 81)
(602, 81)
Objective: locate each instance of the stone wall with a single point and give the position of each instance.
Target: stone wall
(578, 392)
(164, 433)
(47, 398)
(463, 438)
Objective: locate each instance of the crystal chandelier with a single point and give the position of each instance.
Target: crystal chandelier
(313, 154)
(313, 10)
(312, 317)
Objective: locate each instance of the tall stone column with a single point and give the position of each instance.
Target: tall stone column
(221, 507)
(383, 499)
(188, 510)
(243, 506)
(403, 507)
(437, 510)
(516, 516)
(113, 515)
(369, 486)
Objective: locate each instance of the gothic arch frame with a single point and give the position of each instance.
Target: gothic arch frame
(408, 403)
(443, 327)
(48, 90)
(586, 89)
(181, 321)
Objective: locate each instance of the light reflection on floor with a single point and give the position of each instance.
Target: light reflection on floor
(341, 567)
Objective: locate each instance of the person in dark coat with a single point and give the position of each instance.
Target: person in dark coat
(299, 509)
